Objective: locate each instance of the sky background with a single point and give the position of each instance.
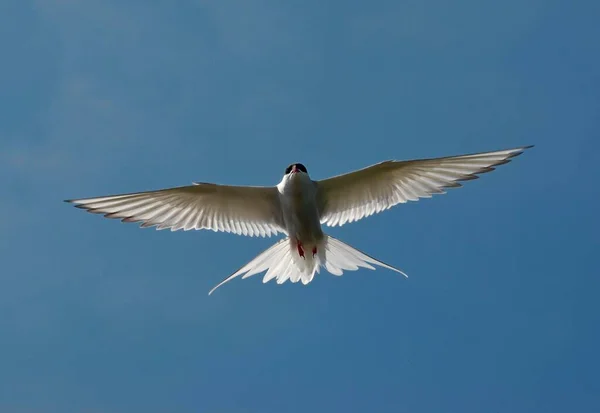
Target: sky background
(500, 312)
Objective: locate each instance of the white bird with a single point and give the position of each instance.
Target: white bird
(298, 207)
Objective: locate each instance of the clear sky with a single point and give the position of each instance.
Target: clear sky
(500, 312)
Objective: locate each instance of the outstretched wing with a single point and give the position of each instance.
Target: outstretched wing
(243, 210)
(355, 195)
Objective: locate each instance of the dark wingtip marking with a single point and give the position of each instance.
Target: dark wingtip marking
(452, 184)
(114, 215)
(469, 178)
(520, 151)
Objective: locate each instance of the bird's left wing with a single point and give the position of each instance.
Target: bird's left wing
(355, 195)
(243, 210)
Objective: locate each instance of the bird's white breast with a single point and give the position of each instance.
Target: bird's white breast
(299, 203)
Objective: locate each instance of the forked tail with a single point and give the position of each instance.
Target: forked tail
(282, 262)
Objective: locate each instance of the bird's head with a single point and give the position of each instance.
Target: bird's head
(294, 169)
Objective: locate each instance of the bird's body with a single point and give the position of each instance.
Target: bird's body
(298, 207)
(298, 197)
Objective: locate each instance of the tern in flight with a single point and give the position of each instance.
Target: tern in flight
(298, 207)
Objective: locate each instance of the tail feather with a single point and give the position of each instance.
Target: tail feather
(281, 261)
(341, 256)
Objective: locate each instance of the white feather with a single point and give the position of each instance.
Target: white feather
(282, 262)
(243, 210)
(349, 197)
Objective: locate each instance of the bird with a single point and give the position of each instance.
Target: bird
(298, 207)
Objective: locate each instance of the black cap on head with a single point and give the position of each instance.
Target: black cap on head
(298, 166)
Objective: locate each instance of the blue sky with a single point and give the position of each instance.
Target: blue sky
(500, 313)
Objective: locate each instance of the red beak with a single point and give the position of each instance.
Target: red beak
(294, 169)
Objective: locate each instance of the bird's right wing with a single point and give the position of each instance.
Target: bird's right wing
(243, 210)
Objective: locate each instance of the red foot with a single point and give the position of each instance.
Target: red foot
(314, 251)
(300, 250)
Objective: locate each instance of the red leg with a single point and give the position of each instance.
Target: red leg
(300, 250)
(314, 251)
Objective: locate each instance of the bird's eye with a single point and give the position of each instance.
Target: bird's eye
(301, 167)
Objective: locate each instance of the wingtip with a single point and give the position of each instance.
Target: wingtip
(214, 288)
(513, 153)
(524, 148)
(400, 271)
